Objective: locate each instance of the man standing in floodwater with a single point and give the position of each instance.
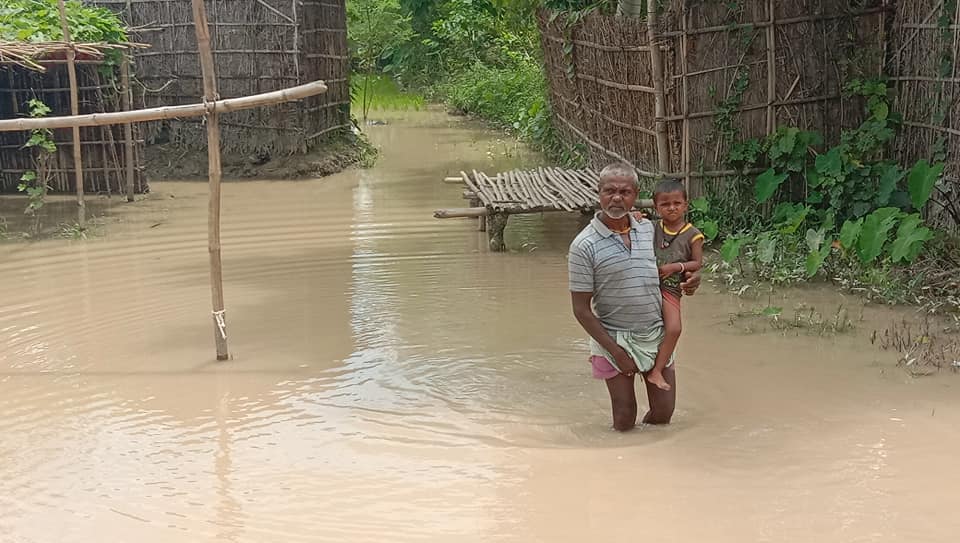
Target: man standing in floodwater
(615, 288)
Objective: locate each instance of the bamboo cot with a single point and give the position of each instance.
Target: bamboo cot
(494, 198)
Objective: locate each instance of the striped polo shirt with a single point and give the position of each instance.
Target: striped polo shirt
(624, 282)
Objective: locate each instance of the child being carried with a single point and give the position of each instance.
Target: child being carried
(679, 248)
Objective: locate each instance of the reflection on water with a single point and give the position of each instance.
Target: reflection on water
(392, 380)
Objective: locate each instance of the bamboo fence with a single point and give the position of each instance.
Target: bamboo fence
(259, 46)
(720, 72)
(925, 63)
(41, 71)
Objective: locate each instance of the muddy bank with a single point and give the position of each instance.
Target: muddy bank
(167, 161)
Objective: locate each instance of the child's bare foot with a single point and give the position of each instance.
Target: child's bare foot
(657, 379)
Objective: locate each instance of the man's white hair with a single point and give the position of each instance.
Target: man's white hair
(618, 170)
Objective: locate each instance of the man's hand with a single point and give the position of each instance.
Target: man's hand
(690, 283)
(626, 364)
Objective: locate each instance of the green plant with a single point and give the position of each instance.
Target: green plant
(39, 21)
(34, 182)
(874, 202)
(376, 30)
(700, 215)
(72, 231)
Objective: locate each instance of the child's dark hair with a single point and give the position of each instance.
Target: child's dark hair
(667, 186)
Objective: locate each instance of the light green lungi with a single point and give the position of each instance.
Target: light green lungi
(641, 346)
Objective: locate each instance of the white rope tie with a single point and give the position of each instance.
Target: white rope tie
(221, 323)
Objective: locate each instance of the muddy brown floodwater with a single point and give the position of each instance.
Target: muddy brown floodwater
(394, 381)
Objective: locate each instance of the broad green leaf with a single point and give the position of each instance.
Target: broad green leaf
(766, 247)
(818, 250)
(815, 260)
(860, 209)
(771, 311)
(873, 234)
(700, 205)
(710, 229)
(814, 239)
(921, 180)
(730, 250)
(910, 239)
(786, 140)
(881, 111)
(809, 139)
(767, 184)
(28, 176)
(849, 233)
(830, 163)
(829, 221)
(889, 177)
(815, 197)
(789, 217)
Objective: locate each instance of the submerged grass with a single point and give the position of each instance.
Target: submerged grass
(803, 318)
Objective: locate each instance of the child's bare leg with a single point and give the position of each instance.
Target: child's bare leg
(672, 327)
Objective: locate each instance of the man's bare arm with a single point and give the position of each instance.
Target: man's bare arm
(584, 314)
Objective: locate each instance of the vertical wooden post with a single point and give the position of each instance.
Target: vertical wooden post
(496, 224)
(74, 110)
(772, 67)
(127, 105)
(684, 49)
(213, 161)
(656, 65)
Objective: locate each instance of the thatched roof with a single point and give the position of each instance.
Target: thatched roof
(34, 55)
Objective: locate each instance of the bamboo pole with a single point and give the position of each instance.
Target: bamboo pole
(772, 67)
(656, 64)
(127, 105)
(475, 212)
(74, 110)
(167, 112)
(685, 89)
(213, 162)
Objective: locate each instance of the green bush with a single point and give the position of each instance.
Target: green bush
(39, 21)
(514, 98)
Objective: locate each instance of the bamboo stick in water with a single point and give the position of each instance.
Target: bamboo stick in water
(74, 110)
(126, 103)
(213, 159)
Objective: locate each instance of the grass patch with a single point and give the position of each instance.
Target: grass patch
(802, 318)
(922, 349)
(381, 93)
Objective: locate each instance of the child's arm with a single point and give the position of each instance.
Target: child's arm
(694, 264)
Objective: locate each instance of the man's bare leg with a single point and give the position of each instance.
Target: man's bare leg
(662, 402)
(623, 401)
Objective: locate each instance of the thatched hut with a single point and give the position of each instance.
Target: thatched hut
(730, 71)
(38, 71)
(259, 46)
